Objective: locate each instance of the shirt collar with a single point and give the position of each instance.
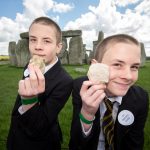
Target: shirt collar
(116, 99)
(50, 65)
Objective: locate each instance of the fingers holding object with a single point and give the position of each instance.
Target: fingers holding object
(25, 88)
(37, 78)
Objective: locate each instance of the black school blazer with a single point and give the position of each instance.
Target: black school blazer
(130, 137)
(38, 128)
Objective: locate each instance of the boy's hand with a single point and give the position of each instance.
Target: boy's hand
(92, 95)
(32, 85)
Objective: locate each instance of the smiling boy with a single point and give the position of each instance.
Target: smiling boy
(98, 127)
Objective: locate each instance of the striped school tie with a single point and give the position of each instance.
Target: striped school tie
(108, 125)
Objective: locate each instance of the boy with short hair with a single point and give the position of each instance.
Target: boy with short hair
(111, 116)
(34, 122)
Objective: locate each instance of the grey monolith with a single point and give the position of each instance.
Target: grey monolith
(12, 53)
(143, 55)
(22, 52)
(75, 50)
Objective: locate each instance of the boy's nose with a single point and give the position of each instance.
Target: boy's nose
(38, 45)
(127, 74)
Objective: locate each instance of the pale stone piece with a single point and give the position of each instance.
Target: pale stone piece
(38, 61)
(98, 73)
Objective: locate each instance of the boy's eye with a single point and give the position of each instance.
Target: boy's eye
(135, 68)
(32, 40)
(47, 41)
(117, 65)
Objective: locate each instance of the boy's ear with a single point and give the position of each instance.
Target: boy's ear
(59, 47)
(93, 61)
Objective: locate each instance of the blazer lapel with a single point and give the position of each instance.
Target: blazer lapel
(126, 108)
(50, 76)
(52, 72)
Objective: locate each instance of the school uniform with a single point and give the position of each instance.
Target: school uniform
(38, 128)
(128, 135)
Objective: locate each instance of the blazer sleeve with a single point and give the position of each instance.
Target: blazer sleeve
(134, 136)
(78, 141)
(41, 118)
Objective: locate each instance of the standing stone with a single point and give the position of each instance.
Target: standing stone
(75, 50)
(63, 55)
(71, 33)
(143, 55)
(12, 54)
(24, 35)
(84, 54)
(95, 43)
(86, 59)
(100, 36)
(22, 52)
(91, 56)
(94, 48)
(65, 60)
(74, 55)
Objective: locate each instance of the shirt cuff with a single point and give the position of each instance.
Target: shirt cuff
(86, 133)
(20, 110)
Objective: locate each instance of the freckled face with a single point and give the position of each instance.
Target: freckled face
(124, 61)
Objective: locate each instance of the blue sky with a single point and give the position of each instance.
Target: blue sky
(9, 8)
(90, 16)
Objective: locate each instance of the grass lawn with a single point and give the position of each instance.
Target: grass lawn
(9, 77)
(4, 57)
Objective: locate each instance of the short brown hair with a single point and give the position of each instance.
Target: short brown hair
(48, 21)
(109, 41)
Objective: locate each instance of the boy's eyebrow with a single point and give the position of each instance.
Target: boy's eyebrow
(47, 38)
(120, 61)
(31, 36)
(137, 64)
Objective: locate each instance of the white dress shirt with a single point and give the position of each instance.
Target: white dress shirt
(117, 101)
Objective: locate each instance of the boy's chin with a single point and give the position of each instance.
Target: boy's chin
(116, 93)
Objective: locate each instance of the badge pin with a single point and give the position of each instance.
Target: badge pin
(126, 117)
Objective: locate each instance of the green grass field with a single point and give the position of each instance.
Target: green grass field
(9, 77)
(4, 57)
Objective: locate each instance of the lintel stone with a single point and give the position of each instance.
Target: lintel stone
(71, 33)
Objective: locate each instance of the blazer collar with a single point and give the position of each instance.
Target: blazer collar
(51, 73)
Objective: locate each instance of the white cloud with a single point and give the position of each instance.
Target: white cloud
(124, 3)
(61, 7)
(106, 18)
(38, 8)
(86, 21)
(144, 7)
(10, 29)
(41, 7)
(3, 47)
(88, 40)
(32, 9)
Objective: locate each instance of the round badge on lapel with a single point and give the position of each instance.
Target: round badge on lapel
(126, 117)
(26, 73)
